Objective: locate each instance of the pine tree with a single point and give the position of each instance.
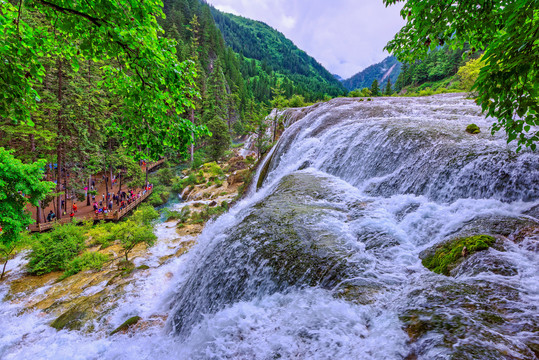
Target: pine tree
(375, 89)
(388, 90)
(215, 112)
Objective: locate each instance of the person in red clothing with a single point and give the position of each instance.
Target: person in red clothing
(72, 214)
(75, 208)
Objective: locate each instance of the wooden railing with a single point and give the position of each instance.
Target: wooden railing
(117, 215)
(155, 164)
(49, 225)
(114, 216)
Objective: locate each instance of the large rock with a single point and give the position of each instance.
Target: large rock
(278, 245)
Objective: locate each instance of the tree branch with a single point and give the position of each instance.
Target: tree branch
(63, 10)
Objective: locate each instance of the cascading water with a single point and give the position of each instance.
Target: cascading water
(323, 261)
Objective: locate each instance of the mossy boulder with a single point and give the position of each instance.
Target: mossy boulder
(126, 325)
(280, 243)
(83, 310)
(473, 129)
(449, 254)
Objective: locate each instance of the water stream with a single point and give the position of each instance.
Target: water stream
(323, 260)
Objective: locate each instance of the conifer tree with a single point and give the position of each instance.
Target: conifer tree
(375, 89)
(388, 91)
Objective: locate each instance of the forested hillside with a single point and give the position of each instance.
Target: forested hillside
(438, 65)
(256, 40)
(388, 68)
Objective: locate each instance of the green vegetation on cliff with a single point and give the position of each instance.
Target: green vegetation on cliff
(276, 55)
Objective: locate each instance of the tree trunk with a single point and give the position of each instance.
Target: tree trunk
(106, 186)
(110, 165)
(65, 187)
(275, 126)
(192, 118)
(60, 145)
(88, 192)
(4, 268)
(38, 213)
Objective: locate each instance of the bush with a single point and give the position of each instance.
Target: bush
(145, 214)
(297, 101)
(101, 235)
(160, 195)
(181, 215)
(191, 179)
(165, 176)
(86, 261)
(199, 158)
(54, 250)
(214, 169)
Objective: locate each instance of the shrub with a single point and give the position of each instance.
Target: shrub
(297, 101)
(54, 250)
(86, 261)
(181, 215)
(101, 235)
(214, 169)
(191, 179)
(160, 195)
(165, 176)
(145, 214)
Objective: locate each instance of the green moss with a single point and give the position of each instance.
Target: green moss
(473, 129)
(448, 254)
(126, 325)
(71, 319)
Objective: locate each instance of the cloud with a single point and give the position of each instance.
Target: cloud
(343, 35)
(228, 9)
(288, 22)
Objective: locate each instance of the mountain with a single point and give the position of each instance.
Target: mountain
(256, 40)
(389, 67)
(338, 77)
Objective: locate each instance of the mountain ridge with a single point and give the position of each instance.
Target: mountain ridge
(390, 68)
(257, 40)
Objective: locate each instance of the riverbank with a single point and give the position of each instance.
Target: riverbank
(82, 300)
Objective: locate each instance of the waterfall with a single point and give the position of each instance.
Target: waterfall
(350, 196)
(322, 260)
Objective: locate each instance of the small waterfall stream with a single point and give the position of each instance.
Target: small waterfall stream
(323, 260)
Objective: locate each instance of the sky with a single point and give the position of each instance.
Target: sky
(345, 36)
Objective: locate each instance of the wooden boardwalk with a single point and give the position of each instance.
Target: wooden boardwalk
(114, 216)
(153, 165)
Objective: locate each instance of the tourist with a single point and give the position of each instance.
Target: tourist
(51, 216)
